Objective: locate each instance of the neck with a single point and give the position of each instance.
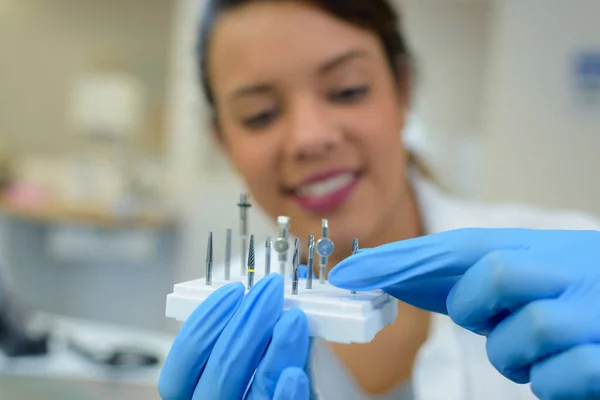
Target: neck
(387, 361)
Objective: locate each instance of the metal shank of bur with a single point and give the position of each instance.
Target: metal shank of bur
(228, 254)
(284, 226)
(209, 259)
(354, 251)
(243, 205)
(251, 263)
(323, 260)
(311, 261)
(268, 255)
(295, 263)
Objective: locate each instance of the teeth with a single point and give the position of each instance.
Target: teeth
(325, 187)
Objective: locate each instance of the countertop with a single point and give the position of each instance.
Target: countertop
(64, 374)
(29, 388)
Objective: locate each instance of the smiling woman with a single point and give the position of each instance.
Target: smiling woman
(309, 99)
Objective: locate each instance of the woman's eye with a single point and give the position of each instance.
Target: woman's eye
(260, 120)
(350, 95)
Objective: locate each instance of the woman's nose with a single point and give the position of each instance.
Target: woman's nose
(313, 132)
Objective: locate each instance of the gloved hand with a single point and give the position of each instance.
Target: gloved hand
(229, 337)
(303, 272)
(534, 294)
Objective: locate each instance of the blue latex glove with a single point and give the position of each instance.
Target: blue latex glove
(229, 337)
(534, 294)
(303, 272)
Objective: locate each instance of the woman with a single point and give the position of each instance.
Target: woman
(309, 98)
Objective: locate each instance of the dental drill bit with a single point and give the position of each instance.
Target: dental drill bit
(354, 251)
(228, 254)
(243, 205)
(251, 262)
(295, 263)
(325, 249)
(268, 255)
(281, 244)
(311, 262)
(209, 259)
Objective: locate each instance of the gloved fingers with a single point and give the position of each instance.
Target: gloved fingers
(500, 283)
(303, 272)
(293, 384)
(239, 349)
(543, 328)
(573, 375)
(442, 254)
(426, 294)
(192, 346)
(288, 348)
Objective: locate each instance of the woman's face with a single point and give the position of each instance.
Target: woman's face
(310, 114)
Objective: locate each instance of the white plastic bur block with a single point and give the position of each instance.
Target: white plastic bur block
(333, 314)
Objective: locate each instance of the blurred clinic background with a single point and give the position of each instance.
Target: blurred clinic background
(109, 180)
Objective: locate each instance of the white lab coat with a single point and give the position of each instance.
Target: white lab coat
(452, 364)
(453, 358)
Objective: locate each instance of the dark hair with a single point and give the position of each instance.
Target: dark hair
(378, 16)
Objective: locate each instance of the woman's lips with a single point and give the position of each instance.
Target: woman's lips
(327, 194)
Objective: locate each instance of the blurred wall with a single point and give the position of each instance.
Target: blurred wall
(540, 146)
(46, 44)
(450, 43)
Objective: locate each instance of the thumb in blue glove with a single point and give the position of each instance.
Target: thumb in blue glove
(303, 272)
(292, 385)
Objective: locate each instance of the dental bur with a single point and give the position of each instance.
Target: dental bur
(268, 255)
(281, 244)
(244, 205)
(354, 251)
(251, 262)
(209, 259)
(325, 249)
(228, 255)
(295, 264)
(311, 262)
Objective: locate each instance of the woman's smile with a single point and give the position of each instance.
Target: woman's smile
(324, 193)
